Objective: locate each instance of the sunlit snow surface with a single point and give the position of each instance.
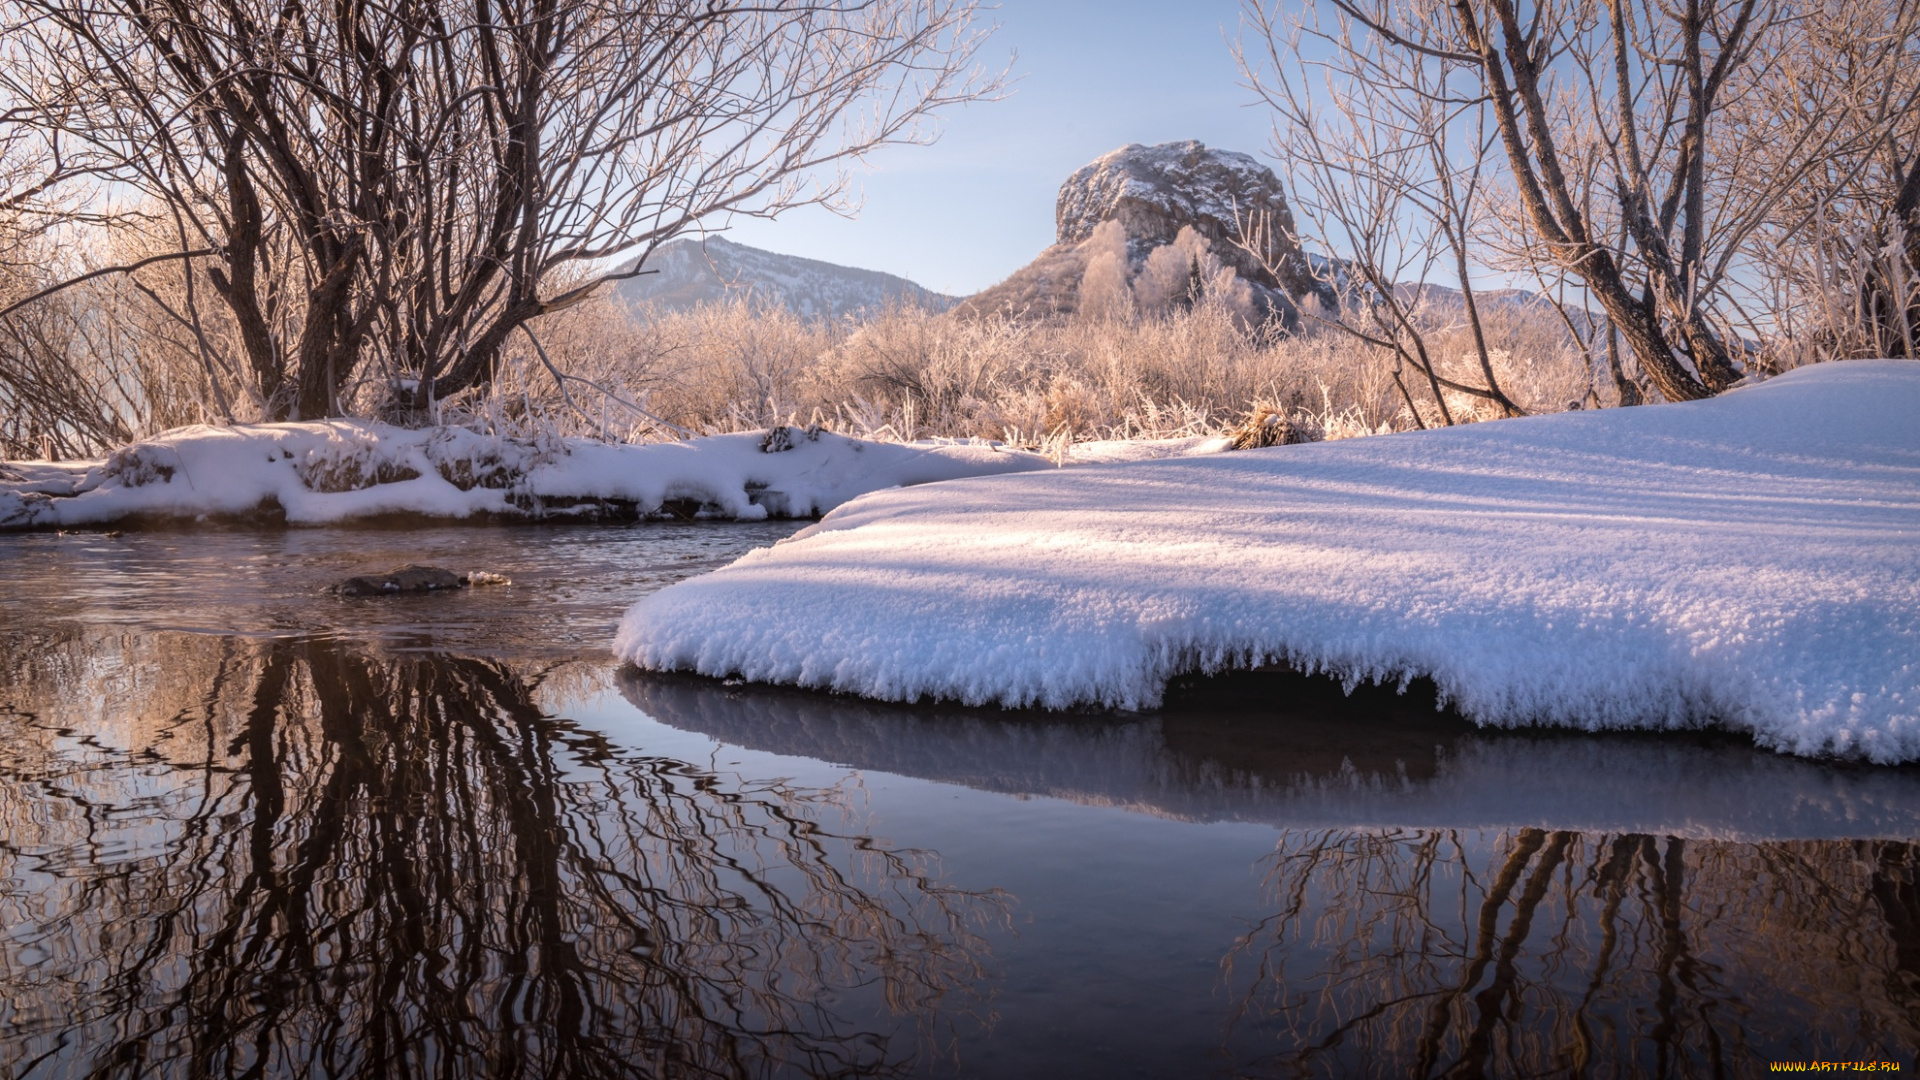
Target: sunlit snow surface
(1751, 561)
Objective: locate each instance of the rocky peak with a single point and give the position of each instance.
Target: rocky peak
(1153, 191)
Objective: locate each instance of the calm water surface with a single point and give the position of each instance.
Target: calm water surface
(251, 829)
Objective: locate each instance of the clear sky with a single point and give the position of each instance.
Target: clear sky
(1092, 76)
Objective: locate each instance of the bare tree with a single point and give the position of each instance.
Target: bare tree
(69, 383)
(1389, 160)
(405, 867)
(384, 193)
(1846, 272)
(1628, 130)
(1439, 952)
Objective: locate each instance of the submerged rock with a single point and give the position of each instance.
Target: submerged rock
(406, 579)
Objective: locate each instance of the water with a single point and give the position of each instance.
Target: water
(248, 828)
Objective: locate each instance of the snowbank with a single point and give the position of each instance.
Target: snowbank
(344, 469)
(1751, 561)
(1118, 451)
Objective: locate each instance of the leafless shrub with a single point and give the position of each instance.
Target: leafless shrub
(909, 374)
(1844, 277)
(92, 367)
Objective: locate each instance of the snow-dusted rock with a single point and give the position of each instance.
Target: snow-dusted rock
(1153, 192)
(1750, 561)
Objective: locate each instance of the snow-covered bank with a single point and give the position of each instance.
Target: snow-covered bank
(345, 469)
(1751, 561)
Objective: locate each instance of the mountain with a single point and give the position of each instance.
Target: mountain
(692, 272)
(1153, 193)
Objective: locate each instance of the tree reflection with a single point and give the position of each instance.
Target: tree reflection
(1437, 953)
(343, 864)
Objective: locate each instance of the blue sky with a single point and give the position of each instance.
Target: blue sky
(961, 214)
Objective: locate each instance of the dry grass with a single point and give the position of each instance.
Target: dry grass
(906, 374)
(910, 374)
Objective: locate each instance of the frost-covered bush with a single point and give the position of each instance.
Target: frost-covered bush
(349, 461)
(1105, 292)
(1186, 273)
(1128, 373)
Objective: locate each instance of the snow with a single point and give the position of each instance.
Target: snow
(1182, 181)
(1116, 451)
(1751, 561)
(340, 470)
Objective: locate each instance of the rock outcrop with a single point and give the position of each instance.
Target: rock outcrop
(406, 579)
(1153, 192)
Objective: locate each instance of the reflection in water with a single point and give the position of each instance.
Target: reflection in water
(258, 850)
(228, 858)
(1295, 752)
(1446, 901)
(1426, 953)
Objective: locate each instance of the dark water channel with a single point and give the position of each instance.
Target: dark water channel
(248, 829)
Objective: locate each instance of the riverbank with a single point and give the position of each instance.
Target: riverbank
(1749, 562)
(346, 470)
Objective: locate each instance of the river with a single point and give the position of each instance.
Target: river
(250, 828)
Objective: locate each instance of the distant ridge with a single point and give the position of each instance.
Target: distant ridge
(693, 272)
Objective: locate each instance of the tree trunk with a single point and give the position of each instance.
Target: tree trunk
(1892, 300)
(475, 367)
(1627, 389)
(1523, 121)
(329, 342)
(240, 287)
